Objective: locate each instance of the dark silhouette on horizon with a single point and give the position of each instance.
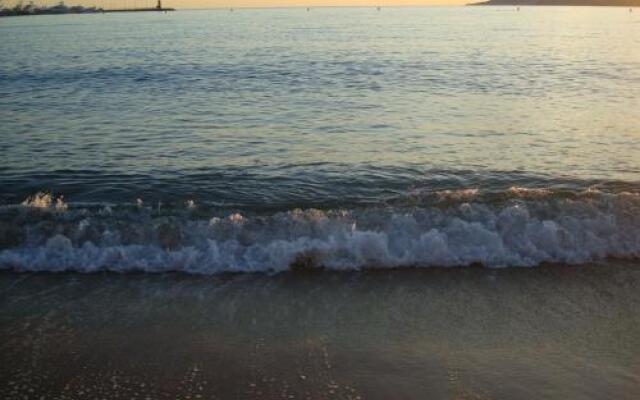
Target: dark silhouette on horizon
(604, 3)
(21, 9)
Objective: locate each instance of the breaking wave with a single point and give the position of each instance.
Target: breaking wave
(518, 228)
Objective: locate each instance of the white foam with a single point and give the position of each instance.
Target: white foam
(519, 233)
(45, 201)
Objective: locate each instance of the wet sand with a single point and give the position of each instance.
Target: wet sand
(537, 333)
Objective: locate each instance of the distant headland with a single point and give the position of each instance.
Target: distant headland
(603, 3)
(61, 8)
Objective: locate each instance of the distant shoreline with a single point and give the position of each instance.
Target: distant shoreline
(139, 10)
(63, 10)
(561, 3)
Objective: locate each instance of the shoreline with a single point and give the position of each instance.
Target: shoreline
(568, 332)
(319, 271)
(552, 3)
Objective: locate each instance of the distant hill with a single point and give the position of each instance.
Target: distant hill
(611, 3)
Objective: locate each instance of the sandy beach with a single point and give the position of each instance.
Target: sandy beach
(459, 333)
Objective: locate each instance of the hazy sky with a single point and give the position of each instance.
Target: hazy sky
(285, 3)
(246, 3)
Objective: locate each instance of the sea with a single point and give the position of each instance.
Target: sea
(404, 202)
(245, 141)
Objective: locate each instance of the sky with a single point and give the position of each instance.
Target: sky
(184, 4)
(304, 3)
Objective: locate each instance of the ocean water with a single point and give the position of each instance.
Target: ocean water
(264, 140)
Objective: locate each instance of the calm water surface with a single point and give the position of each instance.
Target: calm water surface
(292, 107)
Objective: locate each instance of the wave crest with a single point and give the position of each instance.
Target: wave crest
(521, 231)
(45, 201)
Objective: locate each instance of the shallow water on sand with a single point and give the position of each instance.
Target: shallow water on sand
(557, 332)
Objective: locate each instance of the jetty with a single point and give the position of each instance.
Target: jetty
(157, 8)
